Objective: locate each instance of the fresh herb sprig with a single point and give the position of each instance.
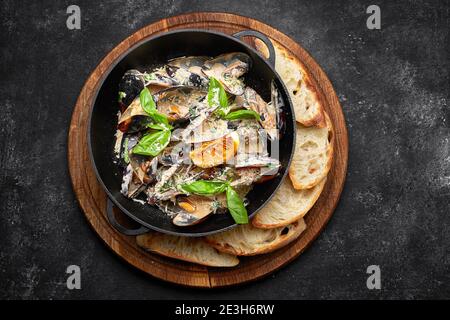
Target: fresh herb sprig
(152, 143)
(212, 187)
(217, 97)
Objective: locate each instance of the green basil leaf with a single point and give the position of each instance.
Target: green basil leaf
(159, 126)
(147, 102)
(217, 97)
(236, 206)
(153, 143)
(204, 187)
(149, 106)
(242, 114)
(160, 118)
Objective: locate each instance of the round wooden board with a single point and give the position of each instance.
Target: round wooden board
(92, 198)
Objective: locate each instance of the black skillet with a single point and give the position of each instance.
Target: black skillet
(156, 51)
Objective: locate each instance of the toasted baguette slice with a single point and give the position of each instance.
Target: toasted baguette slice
(287, 205)
(189, 249)
(308, 107)
(246, 240)
(313, 155)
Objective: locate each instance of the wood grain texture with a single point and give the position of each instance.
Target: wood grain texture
(92, 198)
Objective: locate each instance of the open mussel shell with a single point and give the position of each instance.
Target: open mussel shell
(139, 170)
(253, 101)
(231, 59)
(228, 68)
(169, 76)
(210, 129)
(179, 103)
(131, 186)
(193, 209)
(131, 85)
(128, 141)
(193, 64)
(134, 110)
(175, 153)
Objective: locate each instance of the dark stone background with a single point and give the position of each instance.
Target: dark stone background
(393, 85)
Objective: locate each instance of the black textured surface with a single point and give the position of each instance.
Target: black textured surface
(393, 84)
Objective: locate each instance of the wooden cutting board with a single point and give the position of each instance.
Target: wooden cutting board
(92, 198)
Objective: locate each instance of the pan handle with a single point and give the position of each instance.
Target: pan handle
(113, 221)
(263, 38)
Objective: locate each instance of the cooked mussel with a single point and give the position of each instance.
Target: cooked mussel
(170, 76)
(193, 64)
(210, 129)
(133, 117)
(130, 86)
(193, 209)
(179, 103)
(228, 68)
(253, 101)
(254, 174)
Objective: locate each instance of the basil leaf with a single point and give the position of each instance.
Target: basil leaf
(153, 143)
(159, 126)
(159, 118)
(149, 106)
(242, 114)
(147, 102)
(236, 206)
(204, 187)
(217, 97)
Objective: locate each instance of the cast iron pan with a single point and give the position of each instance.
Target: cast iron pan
(156, 51)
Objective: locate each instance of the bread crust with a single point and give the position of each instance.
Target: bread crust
(258, 220)
(318, 119)
(153, 242)
(299, 185)
(221, 244)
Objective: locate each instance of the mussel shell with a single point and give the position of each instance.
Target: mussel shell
(127, 143)
(135, 124)
(170, 76)
(193, 64)
(174, 154)
(134, 110)
(131, 185)
(210, 129)
(253, 101)
(202, 208)
(131, 84)
(228, 68)
(178, 103)
(186, 77)
(228, 59)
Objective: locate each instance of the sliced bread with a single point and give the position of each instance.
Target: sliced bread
(313, 155)
(287, 205)
(246, 240)
(306, 101)
(189, 249)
